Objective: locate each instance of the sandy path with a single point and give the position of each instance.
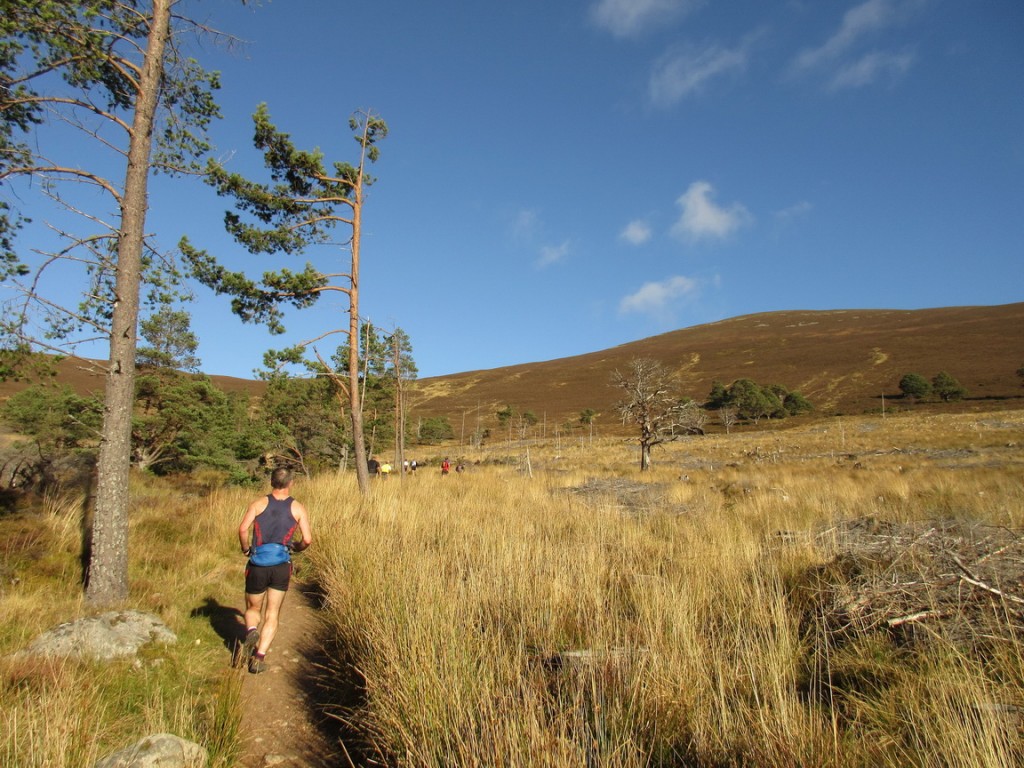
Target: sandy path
(281, 723)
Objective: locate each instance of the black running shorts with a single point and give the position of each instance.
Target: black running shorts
(260, 578)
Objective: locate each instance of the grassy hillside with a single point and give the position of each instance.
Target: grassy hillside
(844, 361)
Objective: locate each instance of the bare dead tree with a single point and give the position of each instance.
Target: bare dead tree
(651, 402)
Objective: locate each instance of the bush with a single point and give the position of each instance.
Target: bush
(434, 430)
(947, 388)
(915, 386)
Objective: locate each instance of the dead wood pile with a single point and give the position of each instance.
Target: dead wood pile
(918, 580)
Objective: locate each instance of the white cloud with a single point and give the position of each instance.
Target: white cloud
(870, 67)
(702, 218)
(840, 50)
(552, 254)
(678, 75)
(637, 232)
(629, 18)
(856, 22)
(794, 211)
(657, 298)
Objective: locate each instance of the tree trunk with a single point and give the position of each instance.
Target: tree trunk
(645, 457)
(399, 410)
(355, 406)
(107, 576)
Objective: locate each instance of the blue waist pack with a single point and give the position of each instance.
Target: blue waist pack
(270, 554)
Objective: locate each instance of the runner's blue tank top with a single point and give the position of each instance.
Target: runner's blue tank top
(275, 524)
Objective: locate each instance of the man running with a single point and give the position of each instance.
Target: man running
(273, 519)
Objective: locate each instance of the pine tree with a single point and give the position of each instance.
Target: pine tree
(112, 62)
(298, 208)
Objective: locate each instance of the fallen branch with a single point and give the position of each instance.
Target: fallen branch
(970, 578)
(910, 618)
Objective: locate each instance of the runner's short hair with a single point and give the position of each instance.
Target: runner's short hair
(280, 478)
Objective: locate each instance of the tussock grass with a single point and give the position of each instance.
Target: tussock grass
(498, 619)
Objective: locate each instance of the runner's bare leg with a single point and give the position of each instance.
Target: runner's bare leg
(275, 598)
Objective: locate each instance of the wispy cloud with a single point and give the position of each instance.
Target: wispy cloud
(552, 254)
(702, 218)
(524, 224)
(870, 67)
(631, 18)
(681, 73)
(842, 56)
(794, 211)
(637, 232)
(658, 299)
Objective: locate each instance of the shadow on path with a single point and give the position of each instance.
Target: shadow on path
(227, 621)
(334, 692)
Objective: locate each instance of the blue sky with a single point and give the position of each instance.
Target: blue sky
(564, 177)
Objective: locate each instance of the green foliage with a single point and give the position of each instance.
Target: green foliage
(915, 386)
(718, 397)
(172, 344)
(435, 430)
(947, 388)
(182, 422)
(387, 363)
(307, 421)
(796, 404)
(587, 416)
(754, 402)
(297, 208)
(383, 356)
(58, 420)
(80, 62)
(505, 415)
(19, 363)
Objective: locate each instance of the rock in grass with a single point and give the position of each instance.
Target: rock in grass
(162, 750)
(109, 636)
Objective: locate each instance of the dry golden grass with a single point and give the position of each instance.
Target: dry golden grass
(592, 615)
(64, 713)
(557, 607)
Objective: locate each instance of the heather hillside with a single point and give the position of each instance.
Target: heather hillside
(844, 361)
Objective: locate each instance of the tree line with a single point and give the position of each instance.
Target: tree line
(183, 423)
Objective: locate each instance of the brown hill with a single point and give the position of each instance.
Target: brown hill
(843, 361)
(85, 377)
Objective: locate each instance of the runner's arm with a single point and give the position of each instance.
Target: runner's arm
(302, 518)
(247, 520)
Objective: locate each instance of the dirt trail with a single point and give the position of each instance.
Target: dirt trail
(281, 723)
